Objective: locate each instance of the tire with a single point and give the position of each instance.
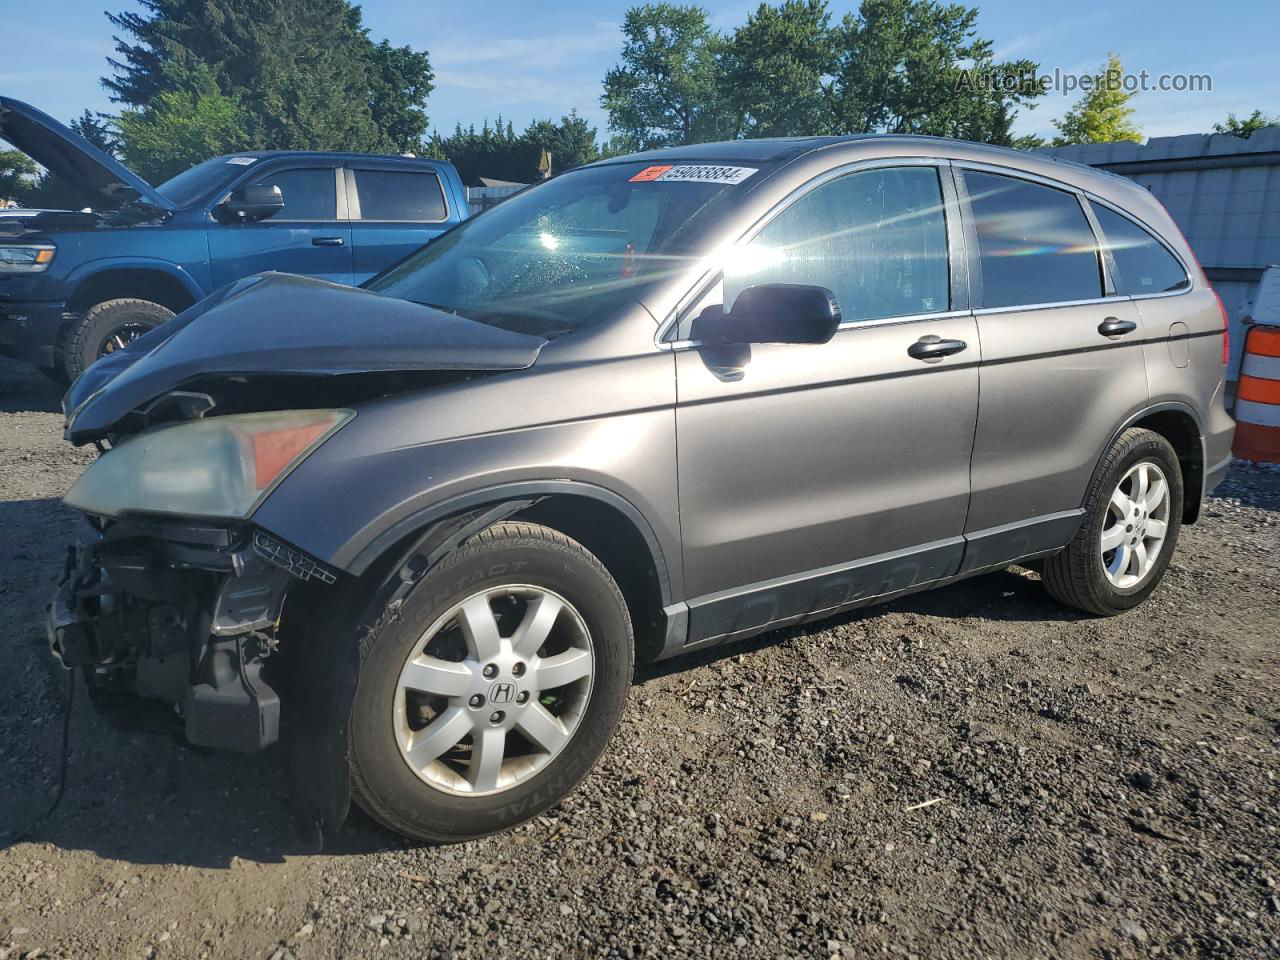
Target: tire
(523, 557)
(95, 332)
(1078, 576)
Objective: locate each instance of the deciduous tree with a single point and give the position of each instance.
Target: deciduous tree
(775, 67)
(667, 90)
(1247, 127)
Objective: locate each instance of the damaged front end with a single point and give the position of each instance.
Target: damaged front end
(180, 620)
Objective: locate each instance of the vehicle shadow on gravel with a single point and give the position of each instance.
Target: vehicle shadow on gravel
(24, 389)
(1014, 594)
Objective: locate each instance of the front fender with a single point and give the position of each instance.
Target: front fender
(352, 500)
(92, 268)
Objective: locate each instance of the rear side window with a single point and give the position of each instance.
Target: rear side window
(1143, 263)
(310, 193)
(876, 239)
(1035, 244)
(399, 195)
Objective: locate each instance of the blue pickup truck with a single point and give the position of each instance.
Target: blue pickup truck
(77, 286)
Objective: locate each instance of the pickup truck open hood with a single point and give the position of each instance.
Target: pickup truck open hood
(279, 328)
(56, 147)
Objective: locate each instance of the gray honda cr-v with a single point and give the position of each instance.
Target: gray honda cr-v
(419, 532)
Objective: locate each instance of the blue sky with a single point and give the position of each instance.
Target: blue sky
(536, 59)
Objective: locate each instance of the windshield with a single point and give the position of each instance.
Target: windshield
(202, 180)
(563, 255)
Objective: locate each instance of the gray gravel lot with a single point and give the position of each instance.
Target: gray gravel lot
(971, 772)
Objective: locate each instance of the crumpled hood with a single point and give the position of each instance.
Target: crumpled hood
(279, 324)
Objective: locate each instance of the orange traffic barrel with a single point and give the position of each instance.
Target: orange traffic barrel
(1258, 397)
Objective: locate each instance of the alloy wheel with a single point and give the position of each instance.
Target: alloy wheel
(121, 337)
(493, 690)
(1136, 525)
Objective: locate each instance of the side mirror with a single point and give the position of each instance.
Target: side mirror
(772, 313)
(254, 202)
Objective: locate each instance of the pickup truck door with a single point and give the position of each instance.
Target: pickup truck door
(395, 208)
(310, 236)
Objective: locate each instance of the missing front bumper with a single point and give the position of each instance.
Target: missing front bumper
(178, 615)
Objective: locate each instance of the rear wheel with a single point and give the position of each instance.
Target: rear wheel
(1133, 515)
(494, 691)
(108, 327)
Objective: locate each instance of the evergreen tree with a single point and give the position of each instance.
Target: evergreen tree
(304, 73)
(96, 128)
(1103, 114)
(181, 128)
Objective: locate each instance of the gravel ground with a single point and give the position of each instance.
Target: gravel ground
(970, 772)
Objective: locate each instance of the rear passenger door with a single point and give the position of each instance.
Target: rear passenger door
(395, 208)
(1062, 361)
(309, 236)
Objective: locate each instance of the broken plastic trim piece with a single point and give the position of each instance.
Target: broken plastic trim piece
(290, 559)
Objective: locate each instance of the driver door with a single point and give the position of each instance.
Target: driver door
(310, 236)
(815, 476)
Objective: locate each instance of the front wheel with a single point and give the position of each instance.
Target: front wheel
(1132, 518)
(108, 327)
(494, 691)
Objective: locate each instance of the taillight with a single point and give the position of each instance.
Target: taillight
(1226, 330)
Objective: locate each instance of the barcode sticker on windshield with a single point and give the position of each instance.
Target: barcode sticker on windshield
(241, 161)
(700, 173)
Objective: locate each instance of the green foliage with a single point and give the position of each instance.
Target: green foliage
(899, 71)
(773, 70)
(97, 129)
(399, 84)
(668, 88)
(291, 74)
(181, 128)
(500, 153)
(1103, 114)
(1247, 127)
(571, 142)
(16, 173)
(895, 66)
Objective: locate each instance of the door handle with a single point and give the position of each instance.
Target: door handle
(933, 348)
(1114, 327)
(326, 241)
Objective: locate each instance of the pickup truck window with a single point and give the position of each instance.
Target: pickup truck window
(400, 195)
(574, 250)
(201, 181)
(310, 193)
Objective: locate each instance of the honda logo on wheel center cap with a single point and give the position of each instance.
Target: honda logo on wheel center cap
(502, 692)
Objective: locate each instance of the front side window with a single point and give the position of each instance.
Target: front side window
(310, 193)
(399, 195)
(1035, 244)
(1143, 264)
(876, 239)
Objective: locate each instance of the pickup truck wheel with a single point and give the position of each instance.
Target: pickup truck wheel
(495, 689)
(108, 327)
(1132, 517)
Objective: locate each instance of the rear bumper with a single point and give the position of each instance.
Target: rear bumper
(174, 614)
(1215, 474)
(29, 330)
